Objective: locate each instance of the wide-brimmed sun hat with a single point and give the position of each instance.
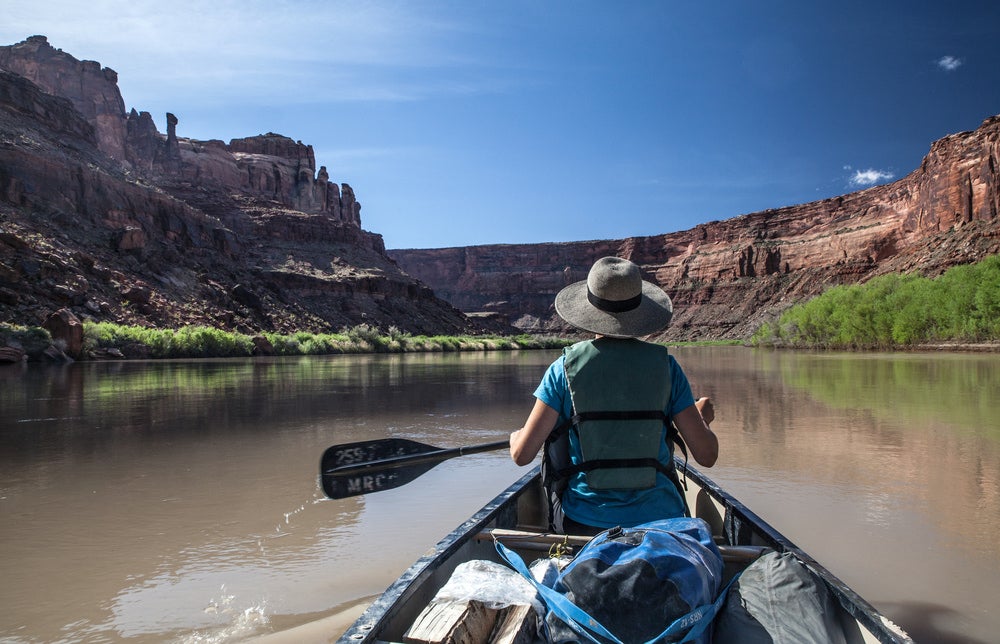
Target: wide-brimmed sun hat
(615, 301)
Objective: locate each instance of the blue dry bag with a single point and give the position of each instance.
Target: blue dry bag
(656, 582)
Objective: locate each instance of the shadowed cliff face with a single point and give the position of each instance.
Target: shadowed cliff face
(727, 277)
(102, 214)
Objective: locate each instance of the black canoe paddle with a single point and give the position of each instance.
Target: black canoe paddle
(352, 469)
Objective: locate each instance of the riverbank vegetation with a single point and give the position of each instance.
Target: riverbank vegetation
(961, 306)
(107, 340)
(102, 338)
(33, 340)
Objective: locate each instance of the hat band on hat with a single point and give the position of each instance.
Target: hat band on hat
(614, 306)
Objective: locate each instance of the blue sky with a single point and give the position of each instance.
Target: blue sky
(462, 122)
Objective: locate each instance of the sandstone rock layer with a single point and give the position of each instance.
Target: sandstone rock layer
(105, 218)
(727, 277)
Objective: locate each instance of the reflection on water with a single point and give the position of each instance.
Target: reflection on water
(884, 467)
(906, 388)
(179, 500)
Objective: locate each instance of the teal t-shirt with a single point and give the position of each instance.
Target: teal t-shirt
(610, 508)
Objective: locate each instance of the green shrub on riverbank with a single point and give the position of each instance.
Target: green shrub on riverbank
(187, 342)
(204, 342)
(896, 311)
(33, 340)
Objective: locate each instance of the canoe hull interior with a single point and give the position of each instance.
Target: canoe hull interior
(523, 508)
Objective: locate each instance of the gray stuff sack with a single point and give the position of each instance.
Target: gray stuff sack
(777, 600)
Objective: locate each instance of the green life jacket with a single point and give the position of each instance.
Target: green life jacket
(619, 389)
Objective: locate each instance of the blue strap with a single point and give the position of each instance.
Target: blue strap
(695, 622)
(564, 609)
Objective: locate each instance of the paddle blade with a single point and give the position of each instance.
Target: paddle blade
(358, 482)
(359, 468)
(371, 466)
(364, 452)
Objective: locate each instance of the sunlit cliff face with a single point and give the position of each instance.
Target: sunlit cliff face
(726, 277)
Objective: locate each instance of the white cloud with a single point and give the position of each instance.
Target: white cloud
(949, 63)
(869, 177)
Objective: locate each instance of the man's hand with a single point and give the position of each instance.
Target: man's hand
(706, 408)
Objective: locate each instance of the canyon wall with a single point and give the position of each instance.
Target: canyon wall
(104, 216)
(269, 165)
(727, 277)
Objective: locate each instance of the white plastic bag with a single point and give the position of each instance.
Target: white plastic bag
(493, 584)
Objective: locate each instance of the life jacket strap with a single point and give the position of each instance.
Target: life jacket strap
(599, 463)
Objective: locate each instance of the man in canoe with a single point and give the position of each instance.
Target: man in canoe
(606, 409)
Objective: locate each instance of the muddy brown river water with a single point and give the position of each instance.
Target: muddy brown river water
(178, 501)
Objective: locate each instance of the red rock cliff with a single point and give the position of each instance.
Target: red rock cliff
(102, 214)
(726, 277)
(92, 90)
